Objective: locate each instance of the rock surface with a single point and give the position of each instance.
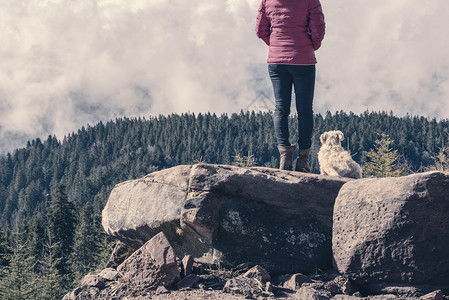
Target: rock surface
(151, 265)
(187, 265)
(295, 281)
(238, 283)
(259, 273)
(138, 209)
(390, 235)
(281, 220)
(309, 293)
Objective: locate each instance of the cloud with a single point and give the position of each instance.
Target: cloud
(381, 55)
(66, 63)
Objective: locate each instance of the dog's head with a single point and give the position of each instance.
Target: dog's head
(332, 137)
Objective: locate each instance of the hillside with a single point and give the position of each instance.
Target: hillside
(88, 163)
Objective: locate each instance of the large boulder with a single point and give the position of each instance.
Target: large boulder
(139, 209)
(392, 233)
(281, 220)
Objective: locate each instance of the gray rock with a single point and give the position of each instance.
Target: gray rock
(162, 290)
(73, 294)
(345, 297)
(109, 274)
(384, 297)
(392, 232)
(403, 290)
(88, 288)
(258, 273)
(139, 209)
(92, 281)
(309, 293)
(295, 281)
(249, 287)
(344, 285)
(435, 295)
(84, 292)
(187, 265)
(280, 220)
(188, 281)
(151, 265)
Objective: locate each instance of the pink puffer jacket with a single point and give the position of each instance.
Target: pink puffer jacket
(293, 29)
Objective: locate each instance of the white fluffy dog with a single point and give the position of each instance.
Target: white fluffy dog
(334, 160)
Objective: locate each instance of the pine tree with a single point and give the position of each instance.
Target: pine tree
(50, 282)
(3, 250)
(61, 226)
(441, 161)
(104, 242)
(85, 249)
(36, 237)
(383, 160)
(19, 279)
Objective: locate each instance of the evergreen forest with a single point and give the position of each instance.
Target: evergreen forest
(52, 191)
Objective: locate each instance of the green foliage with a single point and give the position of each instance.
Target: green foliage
(383, 159)
(441, 161)
(244, 161)
(18, 279)
(3, 251)
(61, 227)
(50, 281)
(200, 160)
(85, 257)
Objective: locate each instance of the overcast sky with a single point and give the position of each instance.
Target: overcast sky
(68, 63)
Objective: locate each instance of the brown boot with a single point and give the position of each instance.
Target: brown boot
(286, 157)
(302, 163)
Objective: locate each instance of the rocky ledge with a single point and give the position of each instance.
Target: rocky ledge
(211, 231)
(228, 215)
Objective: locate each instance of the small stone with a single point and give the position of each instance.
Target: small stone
(258, 273)
(435, 295)
(309, 293)
(92, 281)
(109, 274)
(161, 290)
(345, 297)
(383, 297)
(187, 265)
(248, 287)
(189, 281)
(295, 281)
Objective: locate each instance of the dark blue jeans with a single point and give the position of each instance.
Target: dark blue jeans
(302, 78)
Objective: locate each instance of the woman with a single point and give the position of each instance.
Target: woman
(293, 30)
